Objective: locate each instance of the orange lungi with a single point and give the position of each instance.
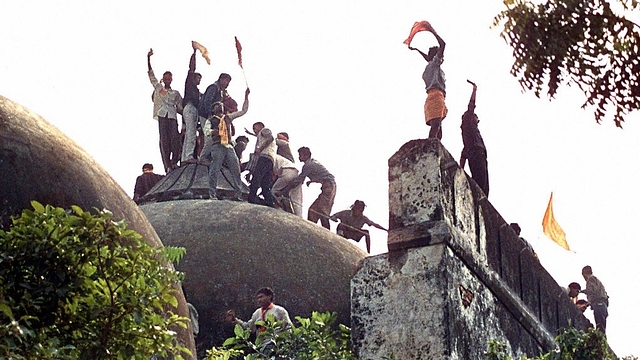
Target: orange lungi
(434, 106)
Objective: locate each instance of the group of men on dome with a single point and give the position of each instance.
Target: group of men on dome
(206, 138)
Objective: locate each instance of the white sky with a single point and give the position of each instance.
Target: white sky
(336, 76)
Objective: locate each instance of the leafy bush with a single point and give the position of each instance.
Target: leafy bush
(314, 338)
(573, 344)
(79, 286)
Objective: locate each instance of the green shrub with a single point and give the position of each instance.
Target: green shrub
(573, 344)
(314, 338)
(79, 286)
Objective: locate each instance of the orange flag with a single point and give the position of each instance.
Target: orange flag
(551, 228)
(239, 50)
(203, 51)
(417, 27)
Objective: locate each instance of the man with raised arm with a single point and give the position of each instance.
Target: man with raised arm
(167, 103)
(474, 149)
(190, 111)
(217, 129)
(435, 109)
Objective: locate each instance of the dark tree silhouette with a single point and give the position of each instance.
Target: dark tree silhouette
(582, 42)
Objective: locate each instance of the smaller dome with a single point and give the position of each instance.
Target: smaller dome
(189, 181)
(235, 248)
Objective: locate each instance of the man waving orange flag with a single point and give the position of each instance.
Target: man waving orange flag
(551, 228)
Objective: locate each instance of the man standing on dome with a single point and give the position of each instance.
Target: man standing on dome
(316, 172)
(218, 130)
(145, 182)
(190, 111)
(262, 175)
(352, 221)
(167, 103)
(216, 92)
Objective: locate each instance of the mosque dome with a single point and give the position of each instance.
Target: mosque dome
(235, 248)
(39, 162)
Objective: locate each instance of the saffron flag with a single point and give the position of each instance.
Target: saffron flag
(203, 50)
(417, 27)
(239, 50)
(551, 228)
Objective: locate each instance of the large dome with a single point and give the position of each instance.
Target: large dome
(38, 162)
(235, 248)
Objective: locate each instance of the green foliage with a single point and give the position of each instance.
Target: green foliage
(79, 286)
(572, 345)
(314, 338)
(582, 42)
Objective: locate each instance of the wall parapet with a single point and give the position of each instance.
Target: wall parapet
(434, 204)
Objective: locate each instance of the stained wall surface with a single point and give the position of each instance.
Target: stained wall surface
(456, 275)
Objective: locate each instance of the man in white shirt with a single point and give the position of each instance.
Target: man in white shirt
(167, 103)
(262, 175)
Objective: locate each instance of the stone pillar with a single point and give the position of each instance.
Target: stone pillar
(456, 275)
(416, 197)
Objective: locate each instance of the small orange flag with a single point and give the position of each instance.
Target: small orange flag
(239, 50)
(416, 28)
(551, 228)
(203, 51)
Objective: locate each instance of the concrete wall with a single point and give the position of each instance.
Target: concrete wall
(456, 275)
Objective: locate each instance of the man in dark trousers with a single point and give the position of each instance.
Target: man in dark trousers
(474, 149)
(597, 298)
(145, 182)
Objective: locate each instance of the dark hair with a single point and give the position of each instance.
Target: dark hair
(217, 103)
(242, 138)
(304, 150)
(258, 123)
(284, 134)
(587, 270)
(230, 105)
(515, 228)
(224, 76)
(267, 291)
(581, 302)
(167, 72)
(358, 203)
(574, 285)
(147, 166)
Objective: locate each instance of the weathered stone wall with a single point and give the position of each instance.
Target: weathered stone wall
(456, 275)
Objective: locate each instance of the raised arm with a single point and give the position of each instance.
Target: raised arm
(149, 54)
(245, 108)
(441, 43)
(152, 77)
(192, 62)
(472, 100)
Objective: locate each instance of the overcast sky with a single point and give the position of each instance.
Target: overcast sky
(336, 76)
